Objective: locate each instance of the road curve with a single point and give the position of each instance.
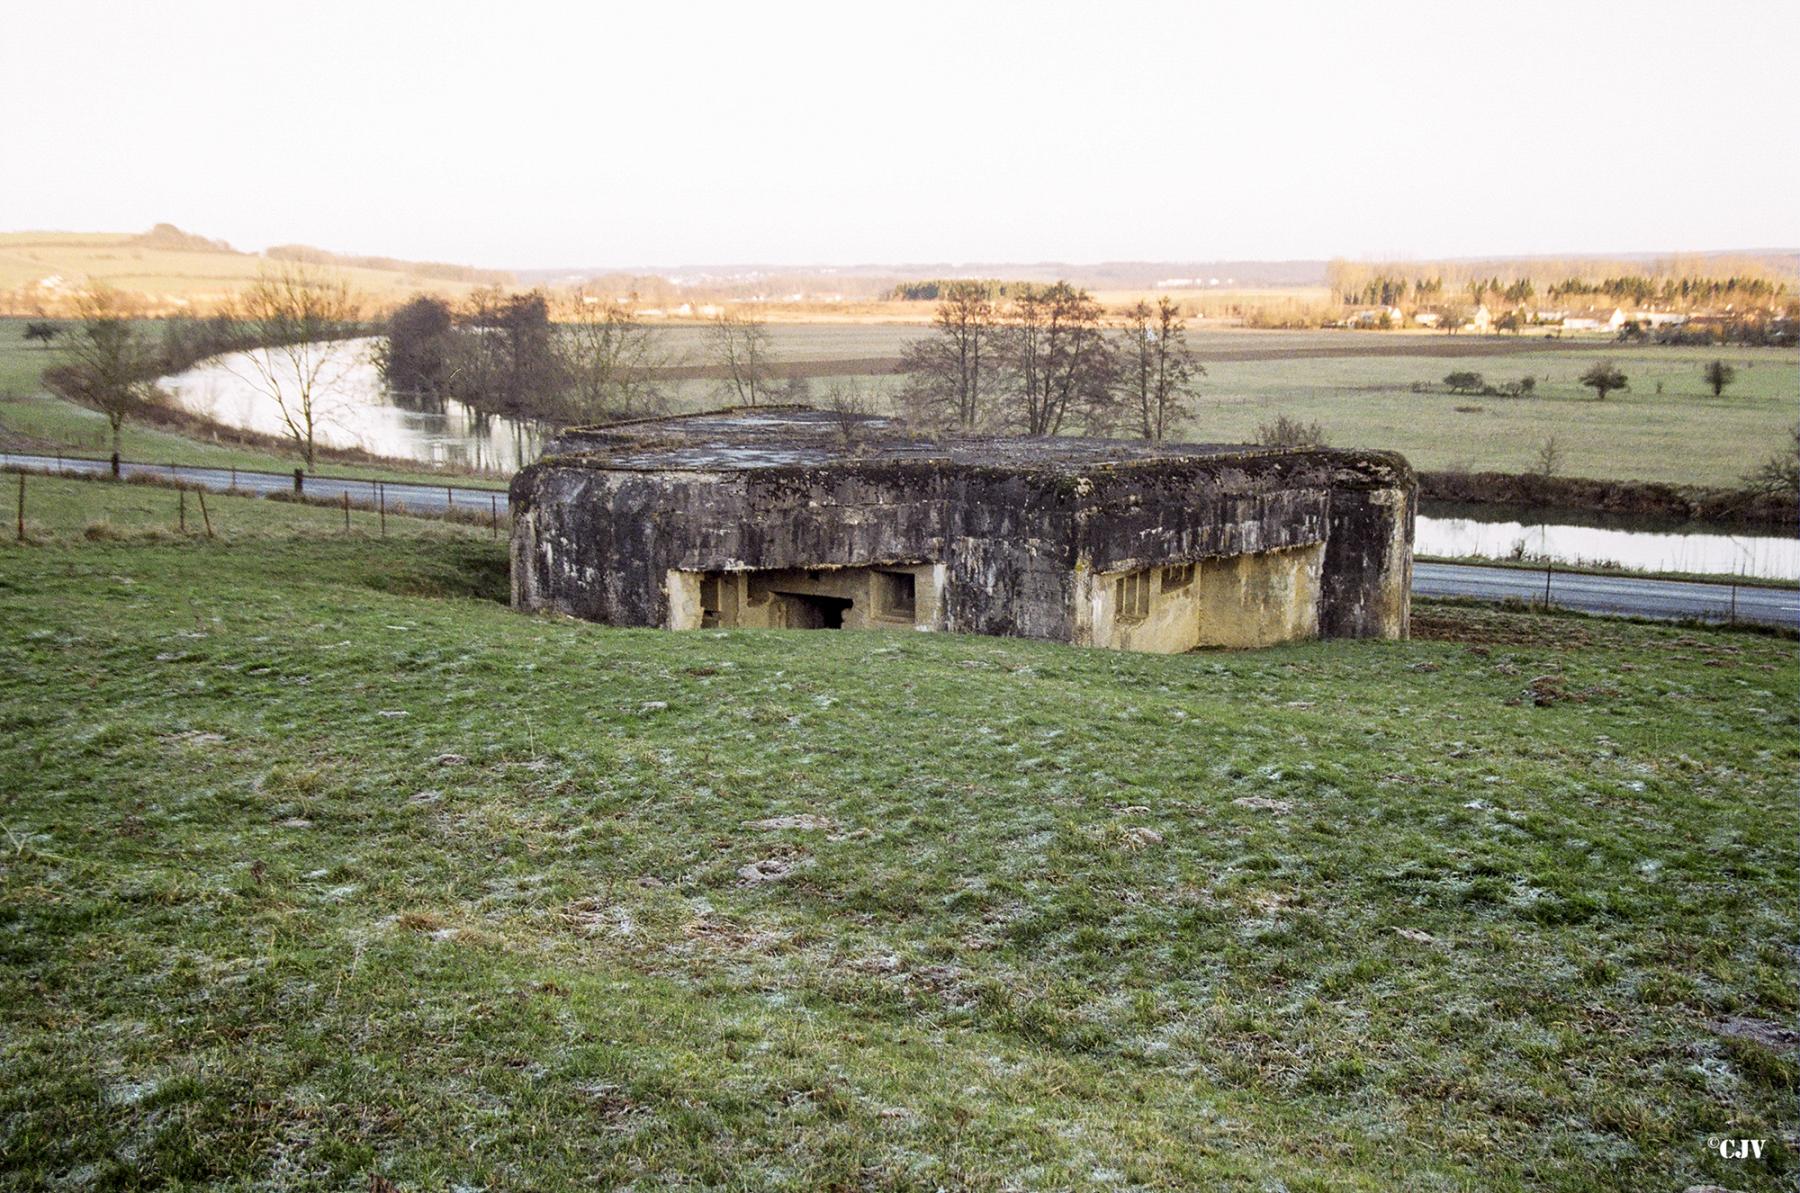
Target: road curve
(1619, 595)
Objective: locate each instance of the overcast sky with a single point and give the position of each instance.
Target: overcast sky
(528, 135)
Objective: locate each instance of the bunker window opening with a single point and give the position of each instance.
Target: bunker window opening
(1132, 596)
(1176, 578)
(898, 594)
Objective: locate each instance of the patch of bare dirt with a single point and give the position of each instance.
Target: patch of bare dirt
(1773, 1035)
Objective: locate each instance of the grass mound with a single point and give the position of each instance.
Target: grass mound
(307, 878)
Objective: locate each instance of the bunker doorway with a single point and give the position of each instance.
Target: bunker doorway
(892, 596)
(810, 611)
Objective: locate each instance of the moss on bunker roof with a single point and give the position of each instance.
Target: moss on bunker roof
(740, 439)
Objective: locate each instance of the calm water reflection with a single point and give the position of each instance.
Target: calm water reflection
(357, 411)
(1759, 556)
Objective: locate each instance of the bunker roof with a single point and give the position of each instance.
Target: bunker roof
(741, 439)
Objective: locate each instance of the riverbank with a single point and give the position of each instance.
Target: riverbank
(1642, 499)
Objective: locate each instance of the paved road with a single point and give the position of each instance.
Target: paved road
(1592, 594)
(1613, 594)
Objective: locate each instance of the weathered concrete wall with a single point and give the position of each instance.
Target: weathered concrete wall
(1255, 599)
(1367, 582)
(1286, 544)
(1260, 599)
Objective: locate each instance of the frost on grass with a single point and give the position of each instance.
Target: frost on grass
(662, 957)
(804, 821)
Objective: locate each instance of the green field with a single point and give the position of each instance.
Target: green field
(1683, 435)
(1361, 396)
(320, 863)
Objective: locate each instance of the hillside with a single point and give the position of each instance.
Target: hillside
(323, 864)
(172, 271)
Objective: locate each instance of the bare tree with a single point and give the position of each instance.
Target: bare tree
(739, 345)
(1156, 370)
(105, 364)
(851, 407)
(1057, 361)
(302, 318)
(950, 373)
(610, 361)
(1548, 459)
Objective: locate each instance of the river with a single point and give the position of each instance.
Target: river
(357, 410)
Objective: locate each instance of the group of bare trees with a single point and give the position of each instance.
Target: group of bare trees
(579, 359)
(289, 327)
(1049, 360)
(739, 347)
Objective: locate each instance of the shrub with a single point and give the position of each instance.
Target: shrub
(1287, 432)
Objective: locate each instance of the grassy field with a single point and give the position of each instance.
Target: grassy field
(1358, 387)
(1681, 435)
(63, 510)
(164, 276)
(320, 863)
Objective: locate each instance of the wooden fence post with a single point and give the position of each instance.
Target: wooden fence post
(346, 496)
(299, 482)
(494, 515)
(204, 516)
(115, 465)
(181, 498)
(381, 504)
(21, 507)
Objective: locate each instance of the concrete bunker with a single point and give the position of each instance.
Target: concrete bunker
(783, 517)
(891, 596)
(1254, 599)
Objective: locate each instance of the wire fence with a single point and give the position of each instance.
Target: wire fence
(378, 495)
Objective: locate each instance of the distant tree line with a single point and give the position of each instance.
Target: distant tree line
(1749, 330)
(516, 354)
(934, 289)
(1045, 359)
(1670, 285)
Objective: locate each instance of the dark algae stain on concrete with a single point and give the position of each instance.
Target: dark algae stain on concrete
(789, 517)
